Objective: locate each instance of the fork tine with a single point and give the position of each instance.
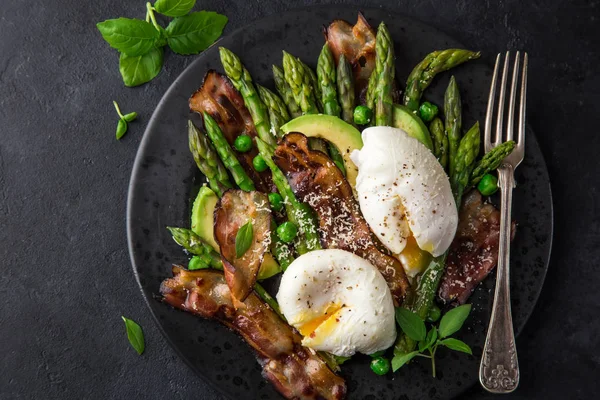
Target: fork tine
(521, 141)
(501, 101)
(489, 115)
(511, 102)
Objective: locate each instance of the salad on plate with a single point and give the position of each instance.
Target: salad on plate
(364, 206)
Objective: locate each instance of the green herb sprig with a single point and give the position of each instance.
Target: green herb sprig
(243, 239)
(123, 121)
(135, 335)
(429, 341)
(141, 42)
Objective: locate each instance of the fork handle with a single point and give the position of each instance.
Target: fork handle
(499, 369)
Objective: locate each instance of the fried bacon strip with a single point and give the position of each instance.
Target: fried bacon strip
(295, 371)
(233, 211)
(317, 181)
(357, 44)
(219, 98)
(474, 251)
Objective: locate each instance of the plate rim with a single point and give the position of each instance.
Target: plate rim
(137, 166)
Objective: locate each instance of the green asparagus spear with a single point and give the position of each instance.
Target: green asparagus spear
(467, 152)
(326, 75)
(208, 161)
(386, 70)
(369, 98)
(297, 212)
(227, 155)
(440, 141)
(267, 298)
(297, 77)
(286, 92)
(241, 79)
(194, 244)
(430, 280)
(314, 83)
(453, 117)
(422, 75)
(491, 161)
(278, 113)
(345, 84)
(337, 158)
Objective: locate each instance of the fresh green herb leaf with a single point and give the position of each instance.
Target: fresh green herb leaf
(411, 324)
(194, 32)
(121, 129)
(133, 37)
(429, 340)
(243, 239)
(453, 320)
(456, 344)
(130, 117)
(135, 335)
(401, 359)
(141, 69)
(174, 8)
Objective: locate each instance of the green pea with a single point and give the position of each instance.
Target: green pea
(434, 313)
(488, 185)
(196, 263)
(121, 128)
(380, 365)
(287, 231)
(276, 201)
(243, 143)
(259, 163)
(362, 115)
(428, 111)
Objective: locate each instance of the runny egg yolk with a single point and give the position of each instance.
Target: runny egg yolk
(413, 258)
(307, 328)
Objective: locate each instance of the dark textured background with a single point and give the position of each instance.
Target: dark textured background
(66, 277)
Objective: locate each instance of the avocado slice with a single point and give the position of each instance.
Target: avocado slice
(341, 134)
(202, 225)
(202, 215)
(412, 125)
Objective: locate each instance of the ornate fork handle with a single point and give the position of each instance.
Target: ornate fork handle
(499, 370)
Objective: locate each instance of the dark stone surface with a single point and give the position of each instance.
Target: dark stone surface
(66, 276)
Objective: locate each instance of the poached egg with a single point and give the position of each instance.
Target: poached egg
(339, 302)
(405, 196)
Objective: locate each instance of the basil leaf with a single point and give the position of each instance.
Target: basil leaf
(194, 32)
(130, 117)
(135, 335)
(174, 8)
(453, 320)
(429, 340)
(401, 359)
(141, 69)
(457, 345)
(121, 129)
(133, 37)
(243, 239)
(411, 324)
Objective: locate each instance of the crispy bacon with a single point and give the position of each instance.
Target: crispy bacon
(219, 98)
(357, 43)
(474, 251)
(234, 210)
(295, 371)
(317, 181)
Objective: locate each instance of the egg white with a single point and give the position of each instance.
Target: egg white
(403, 191)
(339, 301)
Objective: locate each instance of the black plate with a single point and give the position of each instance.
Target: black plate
(164, 178)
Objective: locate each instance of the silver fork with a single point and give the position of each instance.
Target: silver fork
(499, 369)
